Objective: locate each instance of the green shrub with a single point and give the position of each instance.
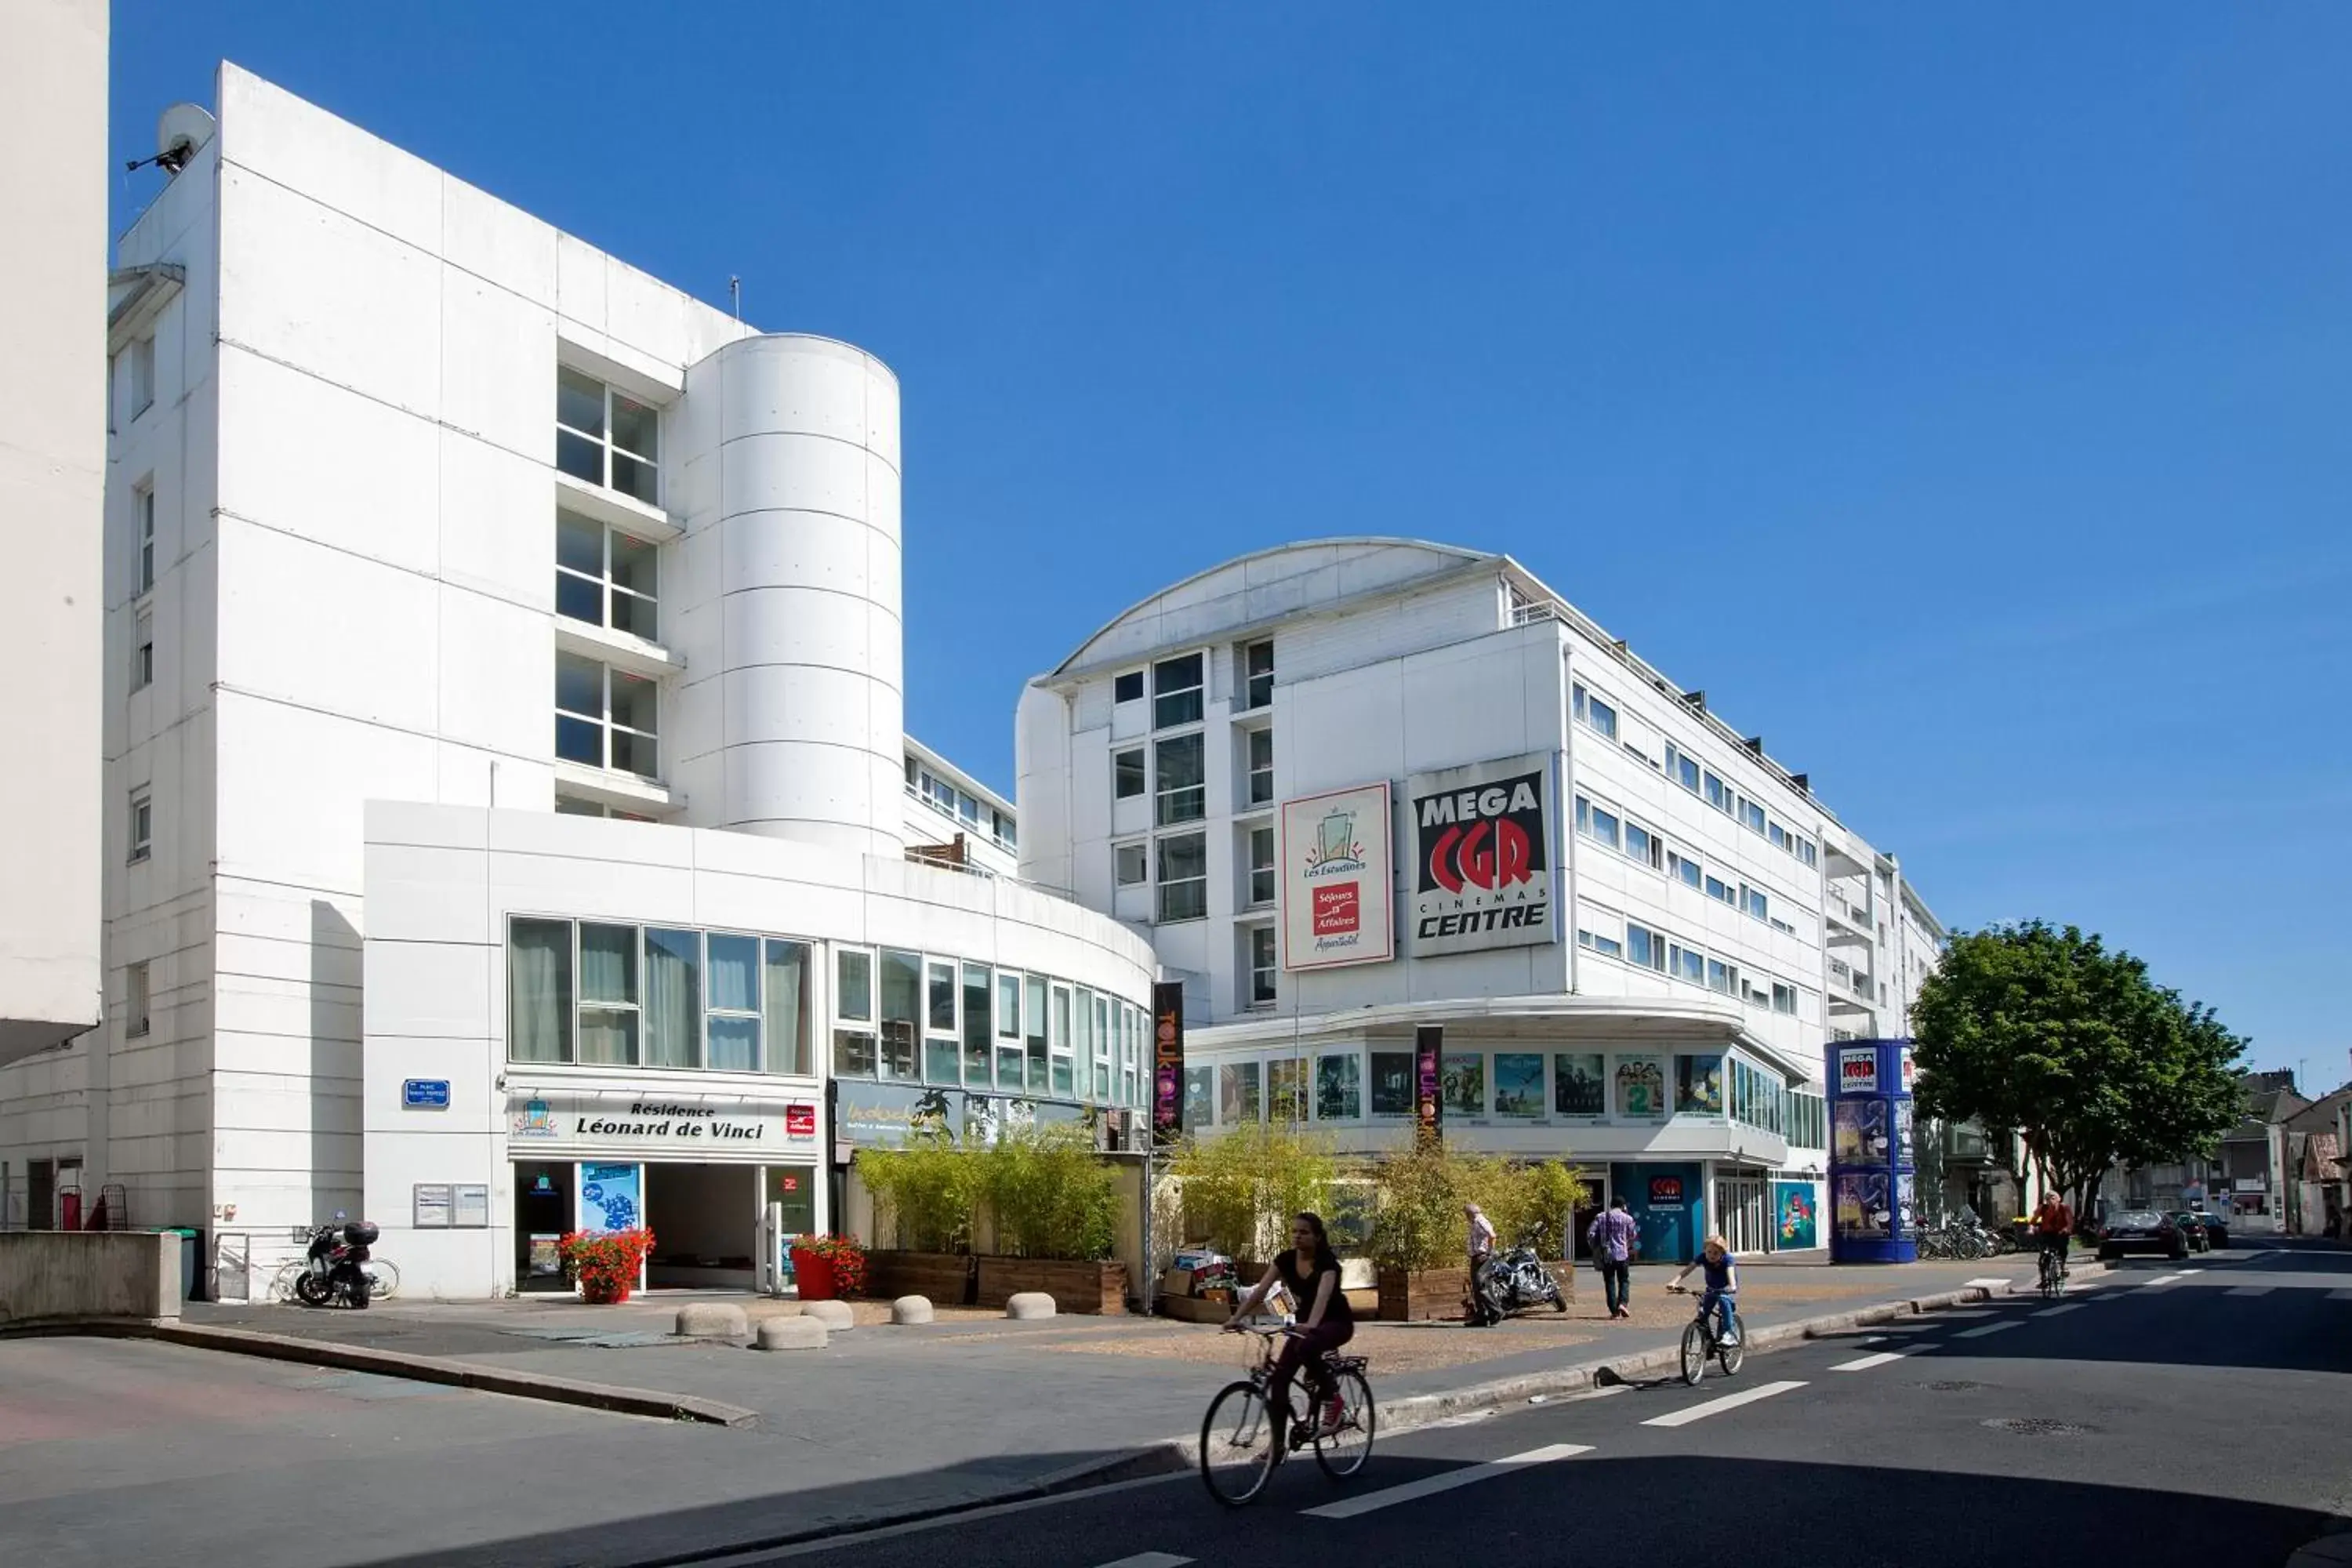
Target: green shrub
(928, 1192)
(1418, 1223)
(1047, 1194)
(1240, 1188)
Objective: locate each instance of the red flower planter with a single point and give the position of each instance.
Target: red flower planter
(814, 1274)
(599, 1292)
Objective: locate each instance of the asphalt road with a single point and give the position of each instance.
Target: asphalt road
(2176, 1413)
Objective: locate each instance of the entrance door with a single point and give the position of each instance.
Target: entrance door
(41, 1196)
(542, 1214)
(1596, 1198)
(1744, 1215)
(794, 1187)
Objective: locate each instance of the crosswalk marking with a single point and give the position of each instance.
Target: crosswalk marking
(1863, 1364)
(1430, 1485)
(2340, 1295)
(1149, 1559)
(1981, 1330)
(2249, 1290)
(2054, 1311)
(2166, 1279)
(1718, 1406)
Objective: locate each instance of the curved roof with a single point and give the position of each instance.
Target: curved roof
(1357, 563)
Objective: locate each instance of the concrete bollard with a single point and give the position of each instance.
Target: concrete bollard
(711, 1321)
(1029, 1305)
(912, 1310)
(791, 1333)
(834, 1315)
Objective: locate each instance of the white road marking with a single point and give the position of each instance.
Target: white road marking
(1865, 1363)
(1718, 1406)
(1988, 1282)
(2250, 1290)
(2340, 1295)
(2054, 1311)
(1149, 1559)
(1429, 1486)
(2166, 1279)
(1981, 1330)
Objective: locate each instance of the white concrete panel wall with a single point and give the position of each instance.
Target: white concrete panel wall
(793, 715)
(441, 885)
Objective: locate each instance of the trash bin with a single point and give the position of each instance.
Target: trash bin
(191, 1271)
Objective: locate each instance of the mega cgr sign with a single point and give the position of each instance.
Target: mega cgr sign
(1483, 856)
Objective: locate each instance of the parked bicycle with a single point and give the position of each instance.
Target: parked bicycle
(1701, 1343)
(383, 1277)
(1238, 1451)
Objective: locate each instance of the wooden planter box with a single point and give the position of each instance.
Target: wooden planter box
(1426, 1293)
(1095, 1288)
(945, 1277)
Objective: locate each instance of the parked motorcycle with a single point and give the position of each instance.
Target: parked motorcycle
(335, 1267)
(1514, 1281)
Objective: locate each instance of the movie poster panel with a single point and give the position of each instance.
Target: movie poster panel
(1641, 1086)
(1580, 1084)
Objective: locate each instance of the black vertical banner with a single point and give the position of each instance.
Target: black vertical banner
(1167, 1062)
(1429, 1105)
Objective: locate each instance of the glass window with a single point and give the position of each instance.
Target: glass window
(1698, 1085)
(137, 376)
(1751, 813)
(1257, 675)
(1756, 903)
(1132, 864)
(1719, 795)
(977, 989)
(1184, 795)
(1646, 947)
(673, 1004)
(1083, 1006)
(1584, 814)
(1262, 966)
(1035, 1039)
(1238, 1097)
(609, 996)
(1807, 852)
(1176, 696)
(1602, 717)
(1607, 946)
(1126, 774)
(1286, 1092)
(1183, 876)
(1260, 867)
(604, 437)
(1722, 976)
(787, 999)
(1338, 1088)
(1779, 837)
(142, 649)
(1604, 826)
(1642, 844)
(1008, 1032)
(852, 985)
(1682, 769)
(1576, 700)
(142, 502)
(1109, 1026)
(1127, 686)
(1689, 963)
(135, 1000)
(1261, 766)
(605, 578)
(1683, 869)
(539, 991)
(605, 718)
(732, 996)
(142, 824)
(1394, 1090)
(943, 1058)
(1722, 891)
(1058, 1041)
(1784, 998)
(902, 1008)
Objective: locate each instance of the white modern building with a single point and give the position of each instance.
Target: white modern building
(1356, 787)
(955, 819)
(507, 779)
(54, 319)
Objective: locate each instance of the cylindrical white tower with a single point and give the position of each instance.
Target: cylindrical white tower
(813, 721)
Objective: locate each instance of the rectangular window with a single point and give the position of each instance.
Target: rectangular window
(607, 437)
(142, 649)
(1126, 774)
(134, 1000)
(606, 718)
(1035, 1039)
(135, 374)
(942, 1062)
(1576, 700)
(1110, 1020)
(1779, 837)
(1604, 826)
(979, 987)
(1807, 852)
(1642, 845)
(1257, 675)
(1722, 891)
(605, 578)
(1261, 767)
(1784, 998)
(610, 998)
(730, 1000)
(1647, 948)
(1682, 769)
(1263, 963)
(1130, 864)
(539, 991)
(901, 976)
(1008, 1032)
(143, 505)
(1689, 963)
(673, 1004)
(1719, 795)
(142, 824)
(1722, 976)
(1684, 869)
(1393, 1089)
(1176, 695)
(1607, 946)
(1058, 1042)
(1602, 717)
(1183, 876)
(1260, 867)
(1751, 813)
(1757, 906)
(1127, 686)
(784, 990)
(1184, 794)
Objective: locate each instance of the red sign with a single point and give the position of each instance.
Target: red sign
(799, 1120)
(1337, 910)
(1665, 1192)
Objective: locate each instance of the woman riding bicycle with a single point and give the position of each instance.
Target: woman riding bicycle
(1310, 1271)
(1722, 1294)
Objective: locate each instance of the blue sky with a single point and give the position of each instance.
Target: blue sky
(1960, 398)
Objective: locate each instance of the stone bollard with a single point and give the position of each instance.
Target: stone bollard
(1029, 1305)
(834, 1315)
(791, 1333)
(912, 1310)
(711, 1321)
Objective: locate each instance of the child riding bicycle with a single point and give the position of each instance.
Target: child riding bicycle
(1722, 1294)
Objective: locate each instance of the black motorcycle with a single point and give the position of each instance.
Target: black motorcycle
(334, 1268)
(1515, 1281)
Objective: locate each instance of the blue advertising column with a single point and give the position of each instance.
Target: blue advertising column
(1872, 1212)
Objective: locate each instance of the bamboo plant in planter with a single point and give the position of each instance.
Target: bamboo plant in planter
(1420, 1241)
(928, 1195)
(1054, 1209)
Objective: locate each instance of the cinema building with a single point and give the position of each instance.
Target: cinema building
(1354, 787)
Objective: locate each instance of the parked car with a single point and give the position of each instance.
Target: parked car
(2217, 1229)
(2192, 1230)
(2141, 1230)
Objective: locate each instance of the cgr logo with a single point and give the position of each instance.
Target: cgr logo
(1485, 839)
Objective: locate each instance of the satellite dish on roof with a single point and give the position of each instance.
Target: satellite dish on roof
(180, 132)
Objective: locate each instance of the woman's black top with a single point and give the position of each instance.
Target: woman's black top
(1304, 1278)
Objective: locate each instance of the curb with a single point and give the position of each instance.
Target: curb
(443, 1370)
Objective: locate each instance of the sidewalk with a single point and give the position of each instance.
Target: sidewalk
(891, 1422)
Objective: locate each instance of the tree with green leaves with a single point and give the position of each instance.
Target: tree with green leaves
(2050, 1033)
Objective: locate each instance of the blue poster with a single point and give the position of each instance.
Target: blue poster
(611, 1198)
(1794, 1202)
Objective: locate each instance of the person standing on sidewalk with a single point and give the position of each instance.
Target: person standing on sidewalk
(1480, 1310)
(1614, 1238)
